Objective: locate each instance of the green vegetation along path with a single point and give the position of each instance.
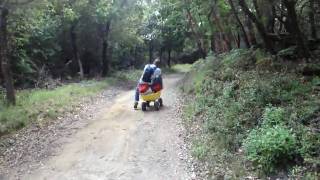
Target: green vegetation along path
(122, 144)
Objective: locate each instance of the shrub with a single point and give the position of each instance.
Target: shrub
(273, 116)
(300, 172)
(235, 58)
(309, 144)
(199, 150)
(188, 113)
(270, 147)
(232, 97)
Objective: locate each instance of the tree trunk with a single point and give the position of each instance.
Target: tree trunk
(160, 54)
(293, 27)
(312, 20)
(195, 32)
(224, 35)
(260, 27)
(271, 18)
(105, 47)
(135, 56)
(237, 38)
(245, 36)
(169, 58)
(150, 51)
(257, 9)
(218, 45)
(5, 62)
(75, 49)
(251, 32)
(212, 43)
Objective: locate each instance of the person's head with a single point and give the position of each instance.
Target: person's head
(157, 62)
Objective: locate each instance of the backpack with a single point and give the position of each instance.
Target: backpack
(147, 74)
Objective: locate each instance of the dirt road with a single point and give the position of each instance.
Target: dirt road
(123, 144)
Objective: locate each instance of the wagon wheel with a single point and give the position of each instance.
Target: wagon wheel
(144, 106)
(157, 105)
(161, 102)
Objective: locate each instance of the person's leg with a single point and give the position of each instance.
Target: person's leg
(137, 94)
(136, 98)
(160, 79)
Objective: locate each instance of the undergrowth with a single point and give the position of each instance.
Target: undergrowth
(178, 68)
(256, 116)
(41, 105)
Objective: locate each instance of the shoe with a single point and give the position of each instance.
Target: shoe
(135, 106)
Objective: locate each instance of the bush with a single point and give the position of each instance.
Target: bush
(231, 97)
(273, 116)
(270, 147)
(199, 150)
(309, 144)
(128, 75)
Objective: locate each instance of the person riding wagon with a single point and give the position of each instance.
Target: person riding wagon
(150, 86)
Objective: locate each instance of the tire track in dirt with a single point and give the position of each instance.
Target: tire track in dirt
(123, 144)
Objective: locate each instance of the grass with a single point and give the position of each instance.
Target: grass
(41, 105)
(128, 75)
(233, 95)
(178, 68)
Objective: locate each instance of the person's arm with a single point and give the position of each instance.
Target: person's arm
(157, 77)
(157, 73)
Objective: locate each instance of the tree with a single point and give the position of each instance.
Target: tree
(104, 17)
(5, 7)
(259, 25)
(107, 12)
(216, 18)
(312, 20)
(4, 59)
(246, 39)
(193, 24)
(171, 30)
(292, 26)
(72, 14)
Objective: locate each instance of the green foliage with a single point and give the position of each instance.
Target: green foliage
(103, 10)
(129, 75)
(309, 145)
(199, 151)
(188, 113)
(40, 38)
(69, 14)
(299, 172)
(270, 147)
(231, 97)
(178, 68)
(292, 87)
(183, 68)
(273, 116)
(287, 52)
(232, 58)
(40, 105)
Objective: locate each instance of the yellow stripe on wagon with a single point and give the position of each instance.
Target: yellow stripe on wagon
(152, 96)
